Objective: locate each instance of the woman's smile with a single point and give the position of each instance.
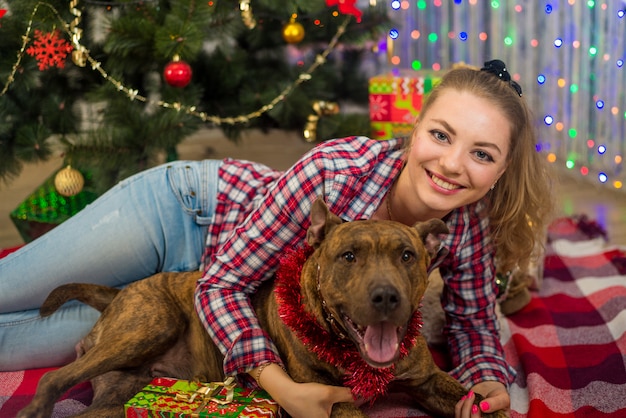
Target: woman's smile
(445, 184)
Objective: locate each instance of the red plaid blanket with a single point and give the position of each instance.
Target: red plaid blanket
(568, 345)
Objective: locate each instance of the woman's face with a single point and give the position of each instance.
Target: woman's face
(458, 151)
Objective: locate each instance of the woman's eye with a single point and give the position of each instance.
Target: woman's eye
(482, 155)
(349, 257)
(439, 136)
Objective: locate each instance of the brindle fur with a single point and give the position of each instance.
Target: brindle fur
(151, 327)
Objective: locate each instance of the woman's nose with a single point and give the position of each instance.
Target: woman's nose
(451, 160)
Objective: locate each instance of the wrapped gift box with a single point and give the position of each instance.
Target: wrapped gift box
(166, 397)
(45, 208)
(395, 100)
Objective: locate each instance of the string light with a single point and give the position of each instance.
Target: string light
(569, 94)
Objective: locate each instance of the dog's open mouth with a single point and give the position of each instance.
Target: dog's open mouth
(378, 343)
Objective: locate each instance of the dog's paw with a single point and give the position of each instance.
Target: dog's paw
(346, 410)
(497, 414)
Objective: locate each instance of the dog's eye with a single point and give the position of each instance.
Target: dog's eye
(407, 256)
(349, 256)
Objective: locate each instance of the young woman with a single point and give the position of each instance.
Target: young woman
(470, 161)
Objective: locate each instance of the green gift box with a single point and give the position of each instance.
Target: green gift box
(167, 397)
(395, 100)
(46, 208)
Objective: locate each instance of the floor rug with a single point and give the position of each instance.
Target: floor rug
(568, 345)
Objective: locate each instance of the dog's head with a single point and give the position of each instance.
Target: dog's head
(368, 277)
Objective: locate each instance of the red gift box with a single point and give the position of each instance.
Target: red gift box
(166, 397)
(395, 100)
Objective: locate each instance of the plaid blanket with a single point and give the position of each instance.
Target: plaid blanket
(568, 345)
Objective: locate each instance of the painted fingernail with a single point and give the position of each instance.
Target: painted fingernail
(484, 406)
(464, 397)
(470, 394)
(474, 409)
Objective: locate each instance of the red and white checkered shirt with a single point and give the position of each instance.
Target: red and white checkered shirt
(261, 212)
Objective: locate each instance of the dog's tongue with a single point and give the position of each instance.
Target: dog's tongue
(381, 342)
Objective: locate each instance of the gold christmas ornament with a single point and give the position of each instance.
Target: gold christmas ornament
(321, 108)
(293, 32)
(69, 181)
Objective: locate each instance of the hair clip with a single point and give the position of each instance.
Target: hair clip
(498, 68)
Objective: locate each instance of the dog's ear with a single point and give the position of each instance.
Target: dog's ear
(429, 231)
(322, 221)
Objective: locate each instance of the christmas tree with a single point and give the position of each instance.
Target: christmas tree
(116, 85)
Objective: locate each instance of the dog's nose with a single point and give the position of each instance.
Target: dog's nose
(385, 298)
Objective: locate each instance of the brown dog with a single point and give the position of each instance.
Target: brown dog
(362, 285)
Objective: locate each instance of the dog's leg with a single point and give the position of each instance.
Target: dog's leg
(439, 394)
(108, 401)
(97, 361)
(136, 328)
(346, 410)
(432, 389)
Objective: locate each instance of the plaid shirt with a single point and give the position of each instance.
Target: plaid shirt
(260, 212)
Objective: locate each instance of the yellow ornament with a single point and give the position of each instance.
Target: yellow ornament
(293, 32)
(69, 181)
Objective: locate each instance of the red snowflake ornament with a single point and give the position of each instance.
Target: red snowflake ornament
(346, 7)
(49, 50)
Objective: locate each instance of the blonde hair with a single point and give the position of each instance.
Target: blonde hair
(521, 203)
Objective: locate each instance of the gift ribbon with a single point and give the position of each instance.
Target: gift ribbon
(207, 393)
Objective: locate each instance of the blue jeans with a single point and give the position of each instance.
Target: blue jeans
(153, 221)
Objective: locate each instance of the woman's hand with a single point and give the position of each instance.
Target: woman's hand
(496, 398)
(300, 400)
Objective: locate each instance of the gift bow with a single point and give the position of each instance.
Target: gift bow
(208, 392)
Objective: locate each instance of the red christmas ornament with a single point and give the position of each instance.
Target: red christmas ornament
(346, 7)
(49, 50)
(177, 73)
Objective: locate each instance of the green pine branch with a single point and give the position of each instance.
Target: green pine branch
(236, 71)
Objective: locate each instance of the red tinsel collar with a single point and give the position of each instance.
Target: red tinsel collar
(365, 381)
